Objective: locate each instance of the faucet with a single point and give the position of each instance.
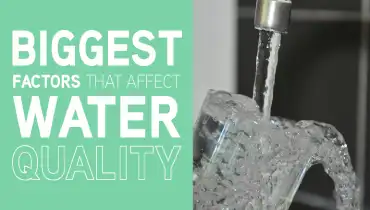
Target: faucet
(273, 15)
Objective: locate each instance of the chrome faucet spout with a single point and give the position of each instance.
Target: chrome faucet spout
(272, 15)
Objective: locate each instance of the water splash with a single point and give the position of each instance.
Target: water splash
(256, 164)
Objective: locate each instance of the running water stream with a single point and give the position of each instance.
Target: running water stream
(266, 63)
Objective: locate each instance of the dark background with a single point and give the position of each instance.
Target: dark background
(317, 79)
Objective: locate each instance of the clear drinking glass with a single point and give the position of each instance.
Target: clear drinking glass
(243, 162)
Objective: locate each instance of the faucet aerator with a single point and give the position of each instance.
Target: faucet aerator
(273, 15)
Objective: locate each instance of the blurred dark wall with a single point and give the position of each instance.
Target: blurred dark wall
(317, 76)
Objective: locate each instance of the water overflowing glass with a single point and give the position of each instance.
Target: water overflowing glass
(244, 162)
